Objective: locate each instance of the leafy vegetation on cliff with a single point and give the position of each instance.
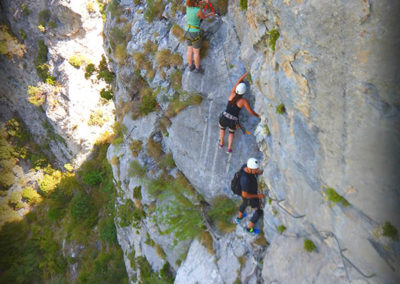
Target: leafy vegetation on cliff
(70, 220)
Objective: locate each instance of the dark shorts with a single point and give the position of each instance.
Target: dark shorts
(225, 122)
(193, 39)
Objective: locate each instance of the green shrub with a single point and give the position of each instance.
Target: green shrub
(167, 161)
(136, 147)
(92, 177)
(22, 34)
(106, 94)
(52, 25)
(25, 10)
(243, 4)
(42, 68)
(166, 273)
(176, 80)
(44, 17)
(90, 7)
(77, 60)
(81, 207)
(36, 96)
(31, 195)
(389, 231)
(223, 209)
(89, 70)
(130, 214)
(165, 58)
(273, 37)
(137, 192)
(9, 45)
(114, 9)
(156, 187)
(280, 109)
(309, 245)
(334, 197)
(108, 232)
(51, 80)
(281, 229)
(49, 182)
(117, 36)
(103, 71)
(155, 8)
(136, 169)
(148, 100)
(266, 130)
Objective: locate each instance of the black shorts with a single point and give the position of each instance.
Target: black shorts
(225, 122)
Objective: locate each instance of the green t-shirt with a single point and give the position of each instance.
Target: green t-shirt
(192, 19)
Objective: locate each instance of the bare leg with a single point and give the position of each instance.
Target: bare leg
(251, 225)
(189, 55)
(221, 136)
(230, 140)
(196, 52)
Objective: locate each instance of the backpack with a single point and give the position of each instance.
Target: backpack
(235, 183)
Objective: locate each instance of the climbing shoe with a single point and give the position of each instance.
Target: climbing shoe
(229, 151)
(253, 231)
(238, 220)
(191, 67)
(199, 70)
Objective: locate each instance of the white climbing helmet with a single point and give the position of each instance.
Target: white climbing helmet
(241, 89)
(253, 163)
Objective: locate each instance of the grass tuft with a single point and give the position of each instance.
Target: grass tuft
(280, 109)
(207, 241)
(222, 211)
(309, 246)
(334, 197)
(178, 32)
(273, 37)
(180, 101)
(281, 229)
(165, 58)
(136, 169)
(389, 231)
(136, 147)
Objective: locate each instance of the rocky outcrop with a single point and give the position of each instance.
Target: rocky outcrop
(69, 30)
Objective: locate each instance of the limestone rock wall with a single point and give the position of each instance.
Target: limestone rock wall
(334, 70)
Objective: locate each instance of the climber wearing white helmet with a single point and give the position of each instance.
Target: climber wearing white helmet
(250, 195)
(230, 117)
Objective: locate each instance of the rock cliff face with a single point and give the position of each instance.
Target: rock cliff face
(324, 79)
(326, 92)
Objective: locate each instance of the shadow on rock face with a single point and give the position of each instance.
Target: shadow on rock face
(70, 22)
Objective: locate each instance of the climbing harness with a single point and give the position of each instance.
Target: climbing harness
(230, 116)
(193, 27)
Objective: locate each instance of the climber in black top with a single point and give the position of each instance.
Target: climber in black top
(250, 195)
(230, 117)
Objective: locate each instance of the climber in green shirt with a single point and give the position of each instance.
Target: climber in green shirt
(193, 16)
